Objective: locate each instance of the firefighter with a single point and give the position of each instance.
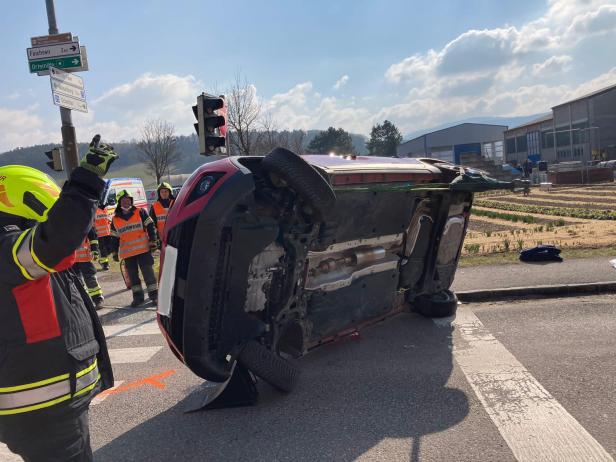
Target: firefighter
(160, 208)
(53, 355)
(102, 224)
(135, 241)
(84, 267)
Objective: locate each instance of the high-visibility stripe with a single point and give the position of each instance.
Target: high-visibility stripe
(50, 394)
(34, 384)
(36, 259)
(16, 246)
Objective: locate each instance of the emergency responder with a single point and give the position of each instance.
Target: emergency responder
(53, 355)
(160, 208)
(84, 267)
(102, 225)
(135, 241)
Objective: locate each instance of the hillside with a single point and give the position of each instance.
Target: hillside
(130, 163)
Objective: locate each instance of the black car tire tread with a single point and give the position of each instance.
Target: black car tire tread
(439, 305)
(269, 366)
(302, 178)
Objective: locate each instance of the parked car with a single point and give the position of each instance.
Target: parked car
(266, 258)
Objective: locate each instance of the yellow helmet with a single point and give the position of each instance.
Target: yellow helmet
(26, 192)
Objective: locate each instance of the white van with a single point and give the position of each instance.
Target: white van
(134, 186)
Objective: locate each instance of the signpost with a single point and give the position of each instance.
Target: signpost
(51, 39)
(64, 62)
(53, 51)
(67, 90)
(48, 55)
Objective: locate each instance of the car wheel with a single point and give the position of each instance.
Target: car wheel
(269, 366)
(300, 176)
(438, 305)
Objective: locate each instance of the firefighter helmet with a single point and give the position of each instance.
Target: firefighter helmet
(26, 192)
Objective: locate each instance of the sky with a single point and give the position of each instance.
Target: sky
(312, 63)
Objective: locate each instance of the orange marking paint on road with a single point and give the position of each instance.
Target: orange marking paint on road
(154, 380)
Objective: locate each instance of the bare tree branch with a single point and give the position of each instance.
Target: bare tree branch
(157, 147)
(243, 110)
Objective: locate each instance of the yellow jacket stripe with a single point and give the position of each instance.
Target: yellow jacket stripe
(32, 397)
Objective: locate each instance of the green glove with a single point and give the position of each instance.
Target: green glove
(99, 157)
(95, 255)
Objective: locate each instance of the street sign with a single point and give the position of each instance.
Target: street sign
(69, 102)
(66, 78)
(67, 90)
(51, 39)
(53, 51)
(61, 63)
(81, 68)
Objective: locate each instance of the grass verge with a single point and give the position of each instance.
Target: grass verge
(467, 261)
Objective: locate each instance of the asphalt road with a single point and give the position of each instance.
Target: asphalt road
(503, 381)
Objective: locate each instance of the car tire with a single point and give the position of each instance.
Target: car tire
(439, 305)
(269, 366)
(300, 176)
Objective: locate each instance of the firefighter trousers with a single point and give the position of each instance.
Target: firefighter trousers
(145, 262)
(87, 273)
(49, 437)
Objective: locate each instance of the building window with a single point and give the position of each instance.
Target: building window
(548, 140)
(498, 149)
(562, 137)
(532, 139)
(521, 143)
(510, 145)
(579, 133)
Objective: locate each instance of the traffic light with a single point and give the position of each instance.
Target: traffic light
(211, 126)
(55, 159)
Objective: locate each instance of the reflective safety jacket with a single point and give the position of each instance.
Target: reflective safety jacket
(53, 353)
(159, 213)
(134, 232)
(102, 223)
(83, 253)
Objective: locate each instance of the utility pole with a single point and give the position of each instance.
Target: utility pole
(69, 138)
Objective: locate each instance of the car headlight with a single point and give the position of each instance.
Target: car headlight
(204, 186)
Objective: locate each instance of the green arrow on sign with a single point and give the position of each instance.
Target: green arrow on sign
(64, 62)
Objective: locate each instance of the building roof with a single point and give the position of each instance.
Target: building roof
(544, 118)
(453, 126)
(594, 93)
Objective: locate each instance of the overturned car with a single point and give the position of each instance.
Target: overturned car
(265, 258)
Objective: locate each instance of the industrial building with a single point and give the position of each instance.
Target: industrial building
(452, 143)
(583, 129)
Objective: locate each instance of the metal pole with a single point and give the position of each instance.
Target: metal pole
(69, 137)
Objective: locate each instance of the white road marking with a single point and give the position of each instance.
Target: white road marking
(532, 422)
(99, 399)
(133, 355)
(104, 311)
(8, 456)
(149, 327)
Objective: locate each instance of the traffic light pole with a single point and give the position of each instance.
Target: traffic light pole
(69, 137)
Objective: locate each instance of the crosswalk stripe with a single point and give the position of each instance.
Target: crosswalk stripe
(133, 355)
(533, 423)
(8, 456)
(149, 327)
(99, 399)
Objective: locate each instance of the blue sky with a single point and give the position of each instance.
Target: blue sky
(312, 63)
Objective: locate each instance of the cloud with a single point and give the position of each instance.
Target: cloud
(506, 70)
(341, 82)
(23, 128)
(552, 65)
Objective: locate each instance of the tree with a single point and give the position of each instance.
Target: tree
(157, 147)
(332, 140)
(384, 139)
(243, 110)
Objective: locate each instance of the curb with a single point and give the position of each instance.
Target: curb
(566, 290)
